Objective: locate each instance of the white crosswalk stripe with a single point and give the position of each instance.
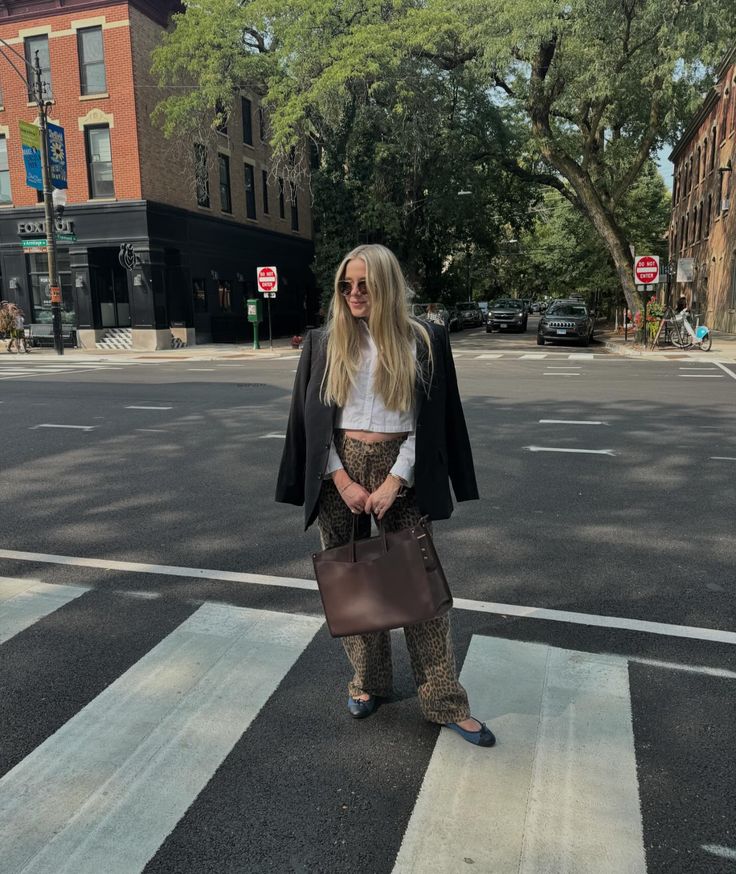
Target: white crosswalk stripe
(23, 602)
(104, 791)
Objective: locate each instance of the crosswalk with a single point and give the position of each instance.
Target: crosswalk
(111, 788)
(24, 368)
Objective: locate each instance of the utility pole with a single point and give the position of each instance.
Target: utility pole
(34, 76)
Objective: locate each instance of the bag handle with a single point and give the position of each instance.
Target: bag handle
(354, 528)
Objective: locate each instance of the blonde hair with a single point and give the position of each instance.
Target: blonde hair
(393, 331)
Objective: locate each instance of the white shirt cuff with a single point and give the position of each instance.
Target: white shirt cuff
(333, 460)
(404, 465)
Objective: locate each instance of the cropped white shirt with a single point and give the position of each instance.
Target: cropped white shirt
(365, 411)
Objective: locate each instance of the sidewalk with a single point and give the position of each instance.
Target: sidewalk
(203, 352)
(723, 349)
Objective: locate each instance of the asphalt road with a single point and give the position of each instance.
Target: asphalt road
(608, 491)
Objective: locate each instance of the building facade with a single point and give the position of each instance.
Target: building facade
(703, 227)
(159, 243)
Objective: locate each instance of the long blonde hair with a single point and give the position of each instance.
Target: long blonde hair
(393, 331)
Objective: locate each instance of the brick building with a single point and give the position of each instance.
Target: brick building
(703, 228)
(199, 224)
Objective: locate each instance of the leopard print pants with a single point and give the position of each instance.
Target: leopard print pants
(441, 696)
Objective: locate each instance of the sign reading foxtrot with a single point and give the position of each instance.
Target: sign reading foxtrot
(268, 280)
(646, 269)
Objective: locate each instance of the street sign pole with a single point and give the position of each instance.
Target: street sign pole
(270, 332)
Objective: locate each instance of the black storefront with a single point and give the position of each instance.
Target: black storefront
(180, 276)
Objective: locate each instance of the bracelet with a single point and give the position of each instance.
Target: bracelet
(345, 488)
(403, 485)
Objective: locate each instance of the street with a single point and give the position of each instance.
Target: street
(170, 699)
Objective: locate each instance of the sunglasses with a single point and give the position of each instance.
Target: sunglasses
(345, 287)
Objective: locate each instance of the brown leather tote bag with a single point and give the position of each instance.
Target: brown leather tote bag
(387, 581)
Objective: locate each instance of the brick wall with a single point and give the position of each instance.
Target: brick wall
(70, 107)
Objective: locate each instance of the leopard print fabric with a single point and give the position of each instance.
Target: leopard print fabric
(441, 696)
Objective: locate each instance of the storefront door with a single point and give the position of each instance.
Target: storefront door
(110, 289)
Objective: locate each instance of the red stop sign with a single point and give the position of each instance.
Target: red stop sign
(646, 269)
(268, 279)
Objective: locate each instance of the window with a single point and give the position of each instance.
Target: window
(224, 295)
(32, 45)
(705, 157)
(685, 238)
(294, 207)
(712, 163)
(264, 189)
(199, 294)
(261, 124)
(700, 222)
(5, 195)
(675, 191)
(724, 114)
(697, 167)
(247, 121)
(720, 193)
(99, 161)
(250, 191)
(282, 206)
(223, 163)
(708, 215)
(201, 175)
(91, 60)
(682, 234)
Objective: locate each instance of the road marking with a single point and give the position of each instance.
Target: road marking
(533, 356)
(716, 850)
(489, 355)
(23, 602)
(725, 369)
(563, 775)
(73, 427)
(201, 369)
(722, 458)
(152, 430)
(525, 612)
(132, 407)
(576, 451)
(568, 422)
(273, 436)
(130, 764)
(701, 376)
(722, 673)
(561, 374)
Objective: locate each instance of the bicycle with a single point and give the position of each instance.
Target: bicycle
(679, 331)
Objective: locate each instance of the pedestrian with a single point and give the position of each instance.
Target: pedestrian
(434, 315)
(17, 332)
(681, 304)
(377, 426)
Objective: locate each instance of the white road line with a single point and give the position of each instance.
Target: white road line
(23, 602)
(725, 369)
(153, 430)
(489, 355)
(568, 422)
(533, 356)
(148, 408)
(133, 760)
(575, 451)
(558, 793)
(561, 374)
(74, 427)
(201, 369)
(526, 612)
(273, 436)
(701, 376)
(580, 356)
(716, 850)
(722, 458)
(722, 673)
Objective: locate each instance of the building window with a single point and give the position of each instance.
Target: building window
(32, 45)
(282, 202)
(264, 189)
(712, 162)
(686, 238)
(247, 121)
(724, 117)
(201, 175)
(199, 295)
(91, 60)
(675, 189)
(708, 215)
(294, 207)
(5, 195)
(223, 163)
(261, 124)
(99, 161)
(250, 191)
(700, 222)
(682, 234)
(225, 295)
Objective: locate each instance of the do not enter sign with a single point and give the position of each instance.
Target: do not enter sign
(646, 269)
(268, 279)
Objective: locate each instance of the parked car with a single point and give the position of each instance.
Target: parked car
(507, 314)
(566, 320)
(470, 314)
(440, 315)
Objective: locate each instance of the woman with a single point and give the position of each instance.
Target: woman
(376, 427)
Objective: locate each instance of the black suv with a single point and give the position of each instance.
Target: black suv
(566, 320)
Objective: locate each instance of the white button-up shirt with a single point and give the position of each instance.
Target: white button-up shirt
(365, 411)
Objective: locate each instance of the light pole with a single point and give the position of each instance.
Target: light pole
(48, 207)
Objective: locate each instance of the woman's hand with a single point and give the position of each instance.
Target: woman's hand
(352, 493)
(381, 501)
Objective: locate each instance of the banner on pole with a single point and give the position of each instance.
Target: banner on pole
(57, 155)
(30, 140)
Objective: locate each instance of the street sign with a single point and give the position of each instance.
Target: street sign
(685, 270)
(268, 280)
(66, 238)
(57, 155)
(33, 245)
(269, 294)
(646, 269)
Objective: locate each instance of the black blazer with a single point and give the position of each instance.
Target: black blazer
(443, 448)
